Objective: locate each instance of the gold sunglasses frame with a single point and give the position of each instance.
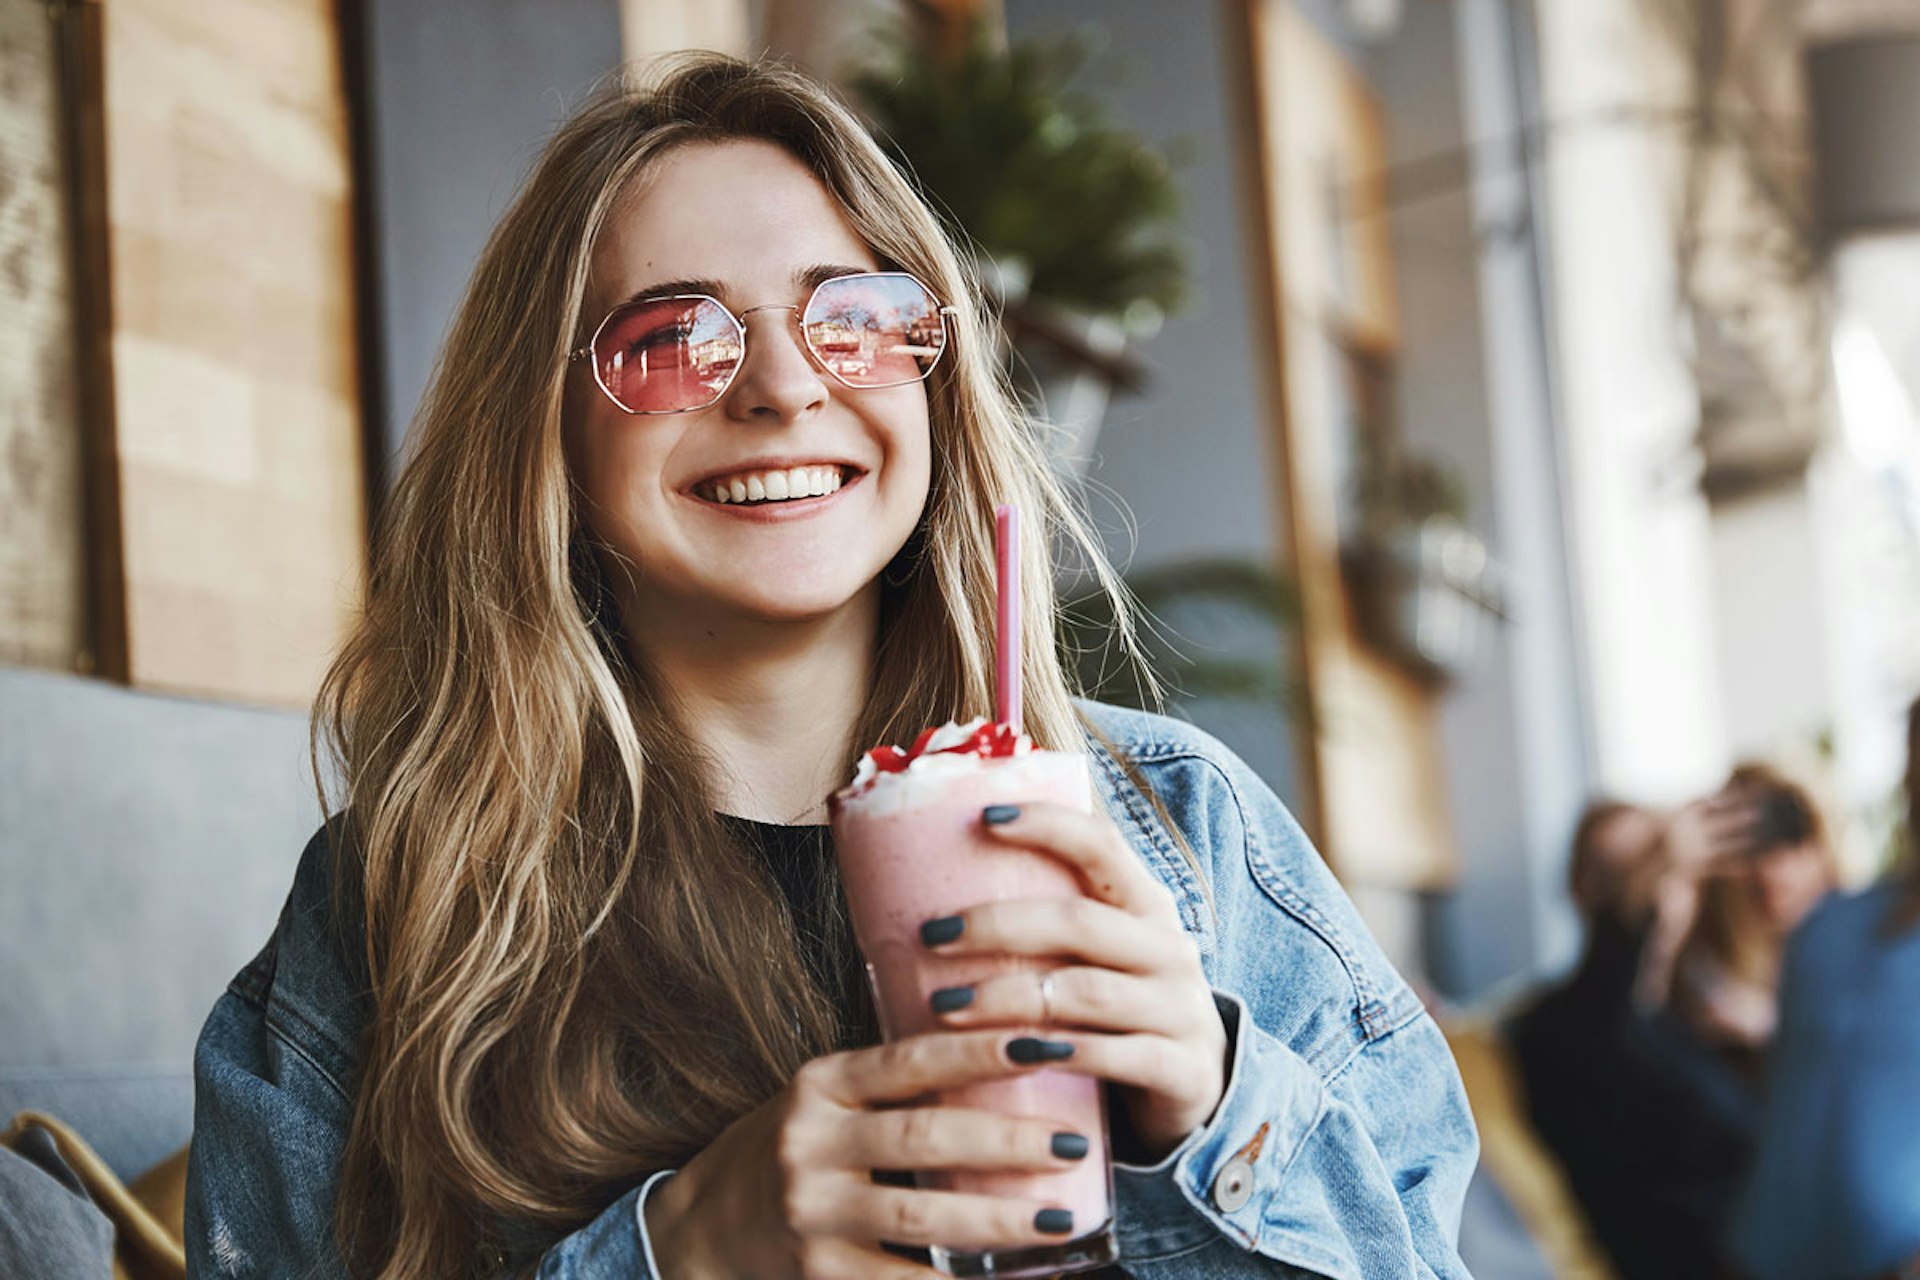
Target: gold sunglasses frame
(740, 324)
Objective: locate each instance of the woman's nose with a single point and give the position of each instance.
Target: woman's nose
(778, 380)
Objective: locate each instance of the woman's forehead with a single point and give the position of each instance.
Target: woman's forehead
(745, 215)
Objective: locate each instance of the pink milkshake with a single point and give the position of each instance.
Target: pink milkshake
(911, 847)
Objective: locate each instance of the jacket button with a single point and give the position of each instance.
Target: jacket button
(1234, 1186)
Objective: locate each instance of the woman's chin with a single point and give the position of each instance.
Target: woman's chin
(801, 602)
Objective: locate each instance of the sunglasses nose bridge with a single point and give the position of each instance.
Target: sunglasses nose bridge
(754, 348)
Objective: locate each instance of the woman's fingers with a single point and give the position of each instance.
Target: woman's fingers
(1092, 931)
(1179, 1081)
(1156, 1064)
(953, 1219)
(1075, 996)
(907, 1069)
(1092, 846)
(938, 1138)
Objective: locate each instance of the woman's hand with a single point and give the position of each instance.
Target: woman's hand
(787, 1189)
(1131, 998)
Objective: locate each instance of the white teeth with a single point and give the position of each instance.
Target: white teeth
(776, 486)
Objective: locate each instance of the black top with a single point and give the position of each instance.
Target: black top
(800, 862)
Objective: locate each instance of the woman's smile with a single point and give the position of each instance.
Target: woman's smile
(777, 490)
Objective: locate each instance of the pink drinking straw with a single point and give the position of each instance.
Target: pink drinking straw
(1006, 653)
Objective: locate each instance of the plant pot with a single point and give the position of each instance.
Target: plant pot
(1065, 364)
(1424, 596)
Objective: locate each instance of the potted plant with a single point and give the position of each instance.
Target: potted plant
(1422, 583)
(1072, 217)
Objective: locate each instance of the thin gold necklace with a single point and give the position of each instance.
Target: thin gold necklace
(809, 809)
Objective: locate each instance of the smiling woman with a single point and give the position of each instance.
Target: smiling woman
(701, 505)
(747, 222)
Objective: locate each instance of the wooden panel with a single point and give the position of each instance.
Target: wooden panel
(1383, 816)
(42, 543)
(650, 28)
(237, 419)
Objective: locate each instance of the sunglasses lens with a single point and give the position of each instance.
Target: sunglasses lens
(878, 330)
(667, 355)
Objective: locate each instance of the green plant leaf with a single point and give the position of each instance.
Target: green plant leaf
(1027, 167)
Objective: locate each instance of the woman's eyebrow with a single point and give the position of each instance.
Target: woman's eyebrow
(809, 278)
(673, 288)
(805, 280)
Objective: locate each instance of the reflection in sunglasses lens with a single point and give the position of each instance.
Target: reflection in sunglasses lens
(875, 330)
(667, 354)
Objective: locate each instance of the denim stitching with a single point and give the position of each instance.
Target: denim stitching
(1269, 877)
(1370, 1012)
(252, 983)
(1173, 866)
(282, 1021)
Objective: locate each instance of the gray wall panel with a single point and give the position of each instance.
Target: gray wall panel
(146, 845)
(463, 94)
(1189, 459)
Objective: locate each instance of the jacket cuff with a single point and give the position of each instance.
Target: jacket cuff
(652, 1264)
(613, 1244)
(1221, 1178)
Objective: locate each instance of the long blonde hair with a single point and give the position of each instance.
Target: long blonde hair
(577, 976)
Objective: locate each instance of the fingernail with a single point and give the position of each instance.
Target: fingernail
(1071, 1146)
(1027, 1050)
(947, 999)
(996, 814)
(1055, 1222)
(935, 933)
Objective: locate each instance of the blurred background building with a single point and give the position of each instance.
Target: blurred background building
(1518, 406)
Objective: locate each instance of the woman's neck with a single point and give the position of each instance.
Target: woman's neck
(774, 704)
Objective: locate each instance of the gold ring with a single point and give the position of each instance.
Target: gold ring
(1046, 1000)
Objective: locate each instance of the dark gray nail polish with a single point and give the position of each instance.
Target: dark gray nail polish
(995, 814)
(939, 932)
(947, 999)
(1055, 1222)
(1071, 1146)
(1028, 1050)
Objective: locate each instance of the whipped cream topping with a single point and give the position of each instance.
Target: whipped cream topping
(950, 748)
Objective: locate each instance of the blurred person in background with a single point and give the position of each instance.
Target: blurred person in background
(1760, 885)
(1835, 1190)
(1652, 1128)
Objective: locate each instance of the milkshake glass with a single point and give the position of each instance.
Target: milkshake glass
(911, 846)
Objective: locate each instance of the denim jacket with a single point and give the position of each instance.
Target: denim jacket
(1342, 1146)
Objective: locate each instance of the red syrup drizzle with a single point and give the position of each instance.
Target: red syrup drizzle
(991, 741)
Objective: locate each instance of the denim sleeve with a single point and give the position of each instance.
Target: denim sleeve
(1343, 1143)
(1335, 1183)
(270, 1124)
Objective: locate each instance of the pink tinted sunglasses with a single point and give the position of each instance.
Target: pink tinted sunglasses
(679, 353)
